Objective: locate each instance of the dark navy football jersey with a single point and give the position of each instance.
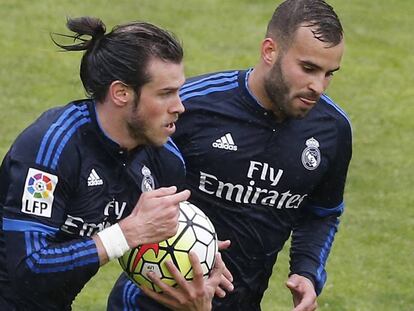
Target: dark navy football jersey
(260, 181)
(62, 181)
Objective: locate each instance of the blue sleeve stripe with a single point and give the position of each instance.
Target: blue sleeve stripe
(64, 268)
(58, 260)
(49, 132)
(36, 241)
(67, 249)
(210, 90)
(323, 256)
(201, 85)
(70, 120)
(37, 244)
(61, 120)
(172, 147)
(212, 77)
(24, 226)
(323, 211)
(68, 135)
(28, 243)
(58, 133)
(129, 295)
(41, 259)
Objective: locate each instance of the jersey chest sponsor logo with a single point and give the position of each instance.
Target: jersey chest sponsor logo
(249, 193)
(79, 226)
(38, 193)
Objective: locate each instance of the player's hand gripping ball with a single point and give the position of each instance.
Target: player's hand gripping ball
(195, 233)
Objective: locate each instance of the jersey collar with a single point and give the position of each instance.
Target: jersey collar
(109, 144)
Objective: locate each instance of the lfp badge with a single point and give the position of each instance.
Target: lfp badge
(38, 193)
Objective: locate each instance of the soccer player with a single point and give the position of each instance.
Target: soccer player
(267, 154)
(90, 180)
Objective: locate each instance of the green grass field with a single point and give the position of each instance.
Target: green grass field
(371, 264)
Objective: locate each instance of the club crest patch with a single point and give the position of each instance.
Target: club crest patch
(311, 156)
(147, 180)
(38, 193)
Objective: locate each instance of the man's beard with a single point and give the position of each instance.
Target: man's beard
(136, 126)
(277, 90)
(136, 129)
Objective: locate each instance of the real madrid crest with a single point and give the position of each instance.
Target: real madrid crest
(311, 156)
(147, 180)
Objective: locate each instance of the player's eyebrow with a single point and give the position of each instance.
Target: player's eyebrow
(169, 90)
(316, 66)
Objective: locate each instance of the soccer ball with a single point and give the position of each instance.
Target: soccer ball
(195, 233)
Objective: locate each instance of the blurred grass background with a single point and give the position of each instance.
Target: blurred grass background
(371, 264)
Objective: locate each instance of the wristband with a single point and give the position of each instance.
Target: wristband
(114, 241)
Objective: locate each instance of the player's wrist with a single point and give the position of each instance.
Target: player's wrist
(114, 241)
(132, 231)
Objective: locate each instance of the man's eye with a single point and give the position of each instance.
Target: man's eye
(165, 94)
(308, 68)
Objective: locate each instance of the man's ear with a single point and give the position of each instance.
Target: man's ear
(270, 51)
(120, 93)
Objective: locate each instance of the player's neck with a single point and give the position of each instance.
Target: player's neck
(112, 124)
(256, 85)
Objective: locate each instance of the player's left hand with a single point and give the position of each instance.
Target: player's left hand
(303, 293)
(195, 295)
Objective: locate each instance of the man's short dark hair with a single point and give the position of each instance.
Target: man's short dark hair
(317, 14)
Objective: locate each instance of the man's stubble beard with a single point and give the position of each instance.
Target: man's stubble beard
(277, 89)
(136, 125)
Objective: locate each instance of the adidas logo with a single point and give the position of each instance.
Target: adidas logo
(94, 179)
(225, 142)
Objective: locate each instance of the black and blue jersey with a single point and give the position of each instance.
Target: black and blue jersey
(62, 181)
(260, 182)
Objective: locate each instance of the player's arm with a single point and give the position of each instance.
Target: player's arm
(311, 244)
(40, 265)
(314, 234)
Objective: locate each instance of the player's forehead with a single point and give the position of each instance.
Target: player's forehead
(165, 74)
(307, 47)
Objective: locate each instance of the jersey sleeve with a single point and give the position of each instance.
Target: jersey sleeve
(42, 268)
(313, 236)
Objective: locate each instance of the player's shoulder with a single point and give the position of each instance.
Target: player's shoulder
(44, 141)
(167, 163)
(332, 110)
(172, 150)
(211, 83)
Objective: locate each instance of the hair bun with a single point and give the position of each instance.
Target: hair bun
(98, 29)
(87, 25)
